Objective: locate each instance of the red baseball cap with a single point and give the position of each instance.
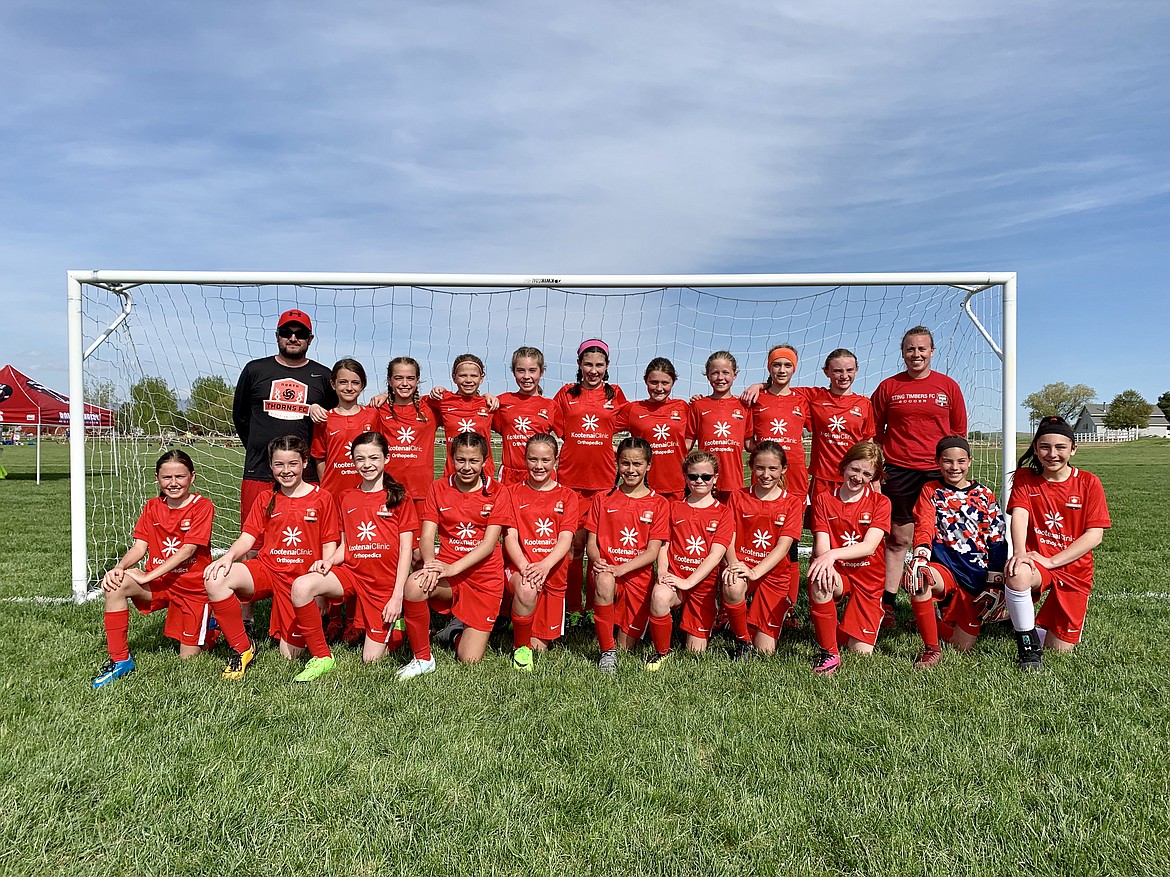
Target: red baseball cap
(295, 316)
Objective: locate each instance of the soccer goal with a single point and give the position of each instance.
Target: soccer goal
(163, 349)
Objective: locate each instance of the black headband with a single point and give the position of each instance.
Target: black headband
(952, 441)
(1057, 425)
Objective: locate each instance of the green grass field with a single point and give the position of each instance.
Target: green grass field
(702, 768)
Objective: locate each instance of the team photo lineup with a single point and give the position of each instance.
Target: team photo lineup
(630, 517)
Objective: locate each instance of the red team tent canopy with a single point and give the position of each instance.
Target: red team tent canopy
(30, 405)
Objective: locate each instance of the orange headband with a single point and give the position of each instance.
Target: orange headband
(785, 353)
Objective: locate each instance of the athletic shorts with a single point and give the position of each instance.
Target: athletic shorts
(770, 604)
(903, 487)
(282, 620)
(187, 613)
(817, 486)
(508, 476)
(476, 603)
(548, 618)
(584, 502)
(632, 606)
(863, 612)
(368, 603)
(965, 611)
(698, 607)
(1063, 612)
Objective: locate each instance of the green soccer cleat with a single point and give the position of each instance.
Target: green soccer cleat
(113, 670)
(522, 659)
(315, 669)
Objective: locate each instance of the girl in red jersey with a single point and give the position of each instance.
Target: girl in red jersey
(767, 521)
(173, 534)
(960, 549)
(544, 518)
(370, 564)
(1058, 516)
(585, 416)
(299, 524)
(467, 511)
(665, 423)
(838, 419)
(331, 451)
(849, 523)
(700, 532)
(465, 410)
(410, 423)
(721, 423)
(627, 527)
(522, 414)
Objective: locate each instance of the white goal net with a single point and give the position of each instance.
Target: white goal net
(164, 351)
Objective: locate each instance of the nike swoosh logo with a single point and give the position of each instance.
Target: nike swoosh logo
(447, 509)
(525, 505)
(350, 511)
(611, 511)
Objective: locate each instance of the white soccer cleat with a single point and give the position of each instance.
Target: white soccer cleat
(416, 668)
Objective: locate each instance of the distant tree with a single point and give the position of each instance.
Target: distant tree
(209, 409)
(1128, 410)
(1164, 403)
(152, 407)
(102, 393)
(1059, 399)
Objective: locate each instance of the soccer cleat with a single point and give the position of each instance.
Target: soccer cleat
(743, 652)
(929, 659)
(826, 663)
(238, 663)
(334, 630)
(113, 670)
(315, 669)
(656, 661)
(792, 623)
(607, 663)
(415, 668)
(1029, 650)
(446, 636)
(522, 659)
(889, 616)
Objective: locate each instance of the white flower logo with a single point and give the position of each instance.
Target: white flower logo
(662, 432)
(837, 423)
(779, 427)
(629, 536)
(465, 531)
(405, 435)
(366, 530)
(762, 539)
(523, 425)
(170, 546)
(544, 527)
(695, 545)
(466, 425)
(1054, 520)
(722, 429)
(851, 538)
(589, 422)
(292, 536)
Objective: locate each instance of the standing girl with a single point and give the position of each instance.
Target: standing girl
(849, 523)
(838, 420)
(584, 416)
(701, 530)
(1058, 516)
(369, 565)
(544, 518)
(410, 423)
(665, 423)
(299, 524)
(959, 554)
(173, 534)
(467, 511)
(767, 525)
(627, 527)
(721, 423)
(522, 414)
(465, 410)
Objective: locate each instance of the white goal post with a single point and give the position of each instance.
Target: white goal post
(228, 318)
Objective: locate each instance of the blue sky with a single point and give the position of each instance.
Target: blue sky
(604, 138)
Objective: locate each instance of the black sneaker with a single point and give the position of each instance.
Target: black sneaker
(1029, 650)
(743, 652)
(446, 636)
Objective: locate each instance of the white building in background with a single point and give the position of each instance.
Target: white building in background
(1090, 425)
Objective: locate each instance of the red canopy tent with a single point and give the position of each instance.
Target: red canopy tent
(29, 404)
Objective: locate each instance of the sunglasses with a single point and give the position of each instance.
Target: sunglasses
(699, 476)
(286, 332)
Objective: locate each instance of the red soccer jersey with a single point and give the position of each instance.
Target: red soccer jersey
(783, 419)
(373, 534)
(165, 530)
(517, 420)
(721, 426)
(465, 414)
(694, 532)
(462, 519)
(912, 415)
(847, 523)
(760, 524)
(585, 424)
(331, 443)
(295, 530)
(539, 517)
(410, 433)
(837, 423)
(667, 426)
(625, 526)
(1059, 512)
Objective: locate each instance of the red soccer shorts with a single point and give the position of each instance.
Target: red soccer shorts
(698, 608)
(1063, 612)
